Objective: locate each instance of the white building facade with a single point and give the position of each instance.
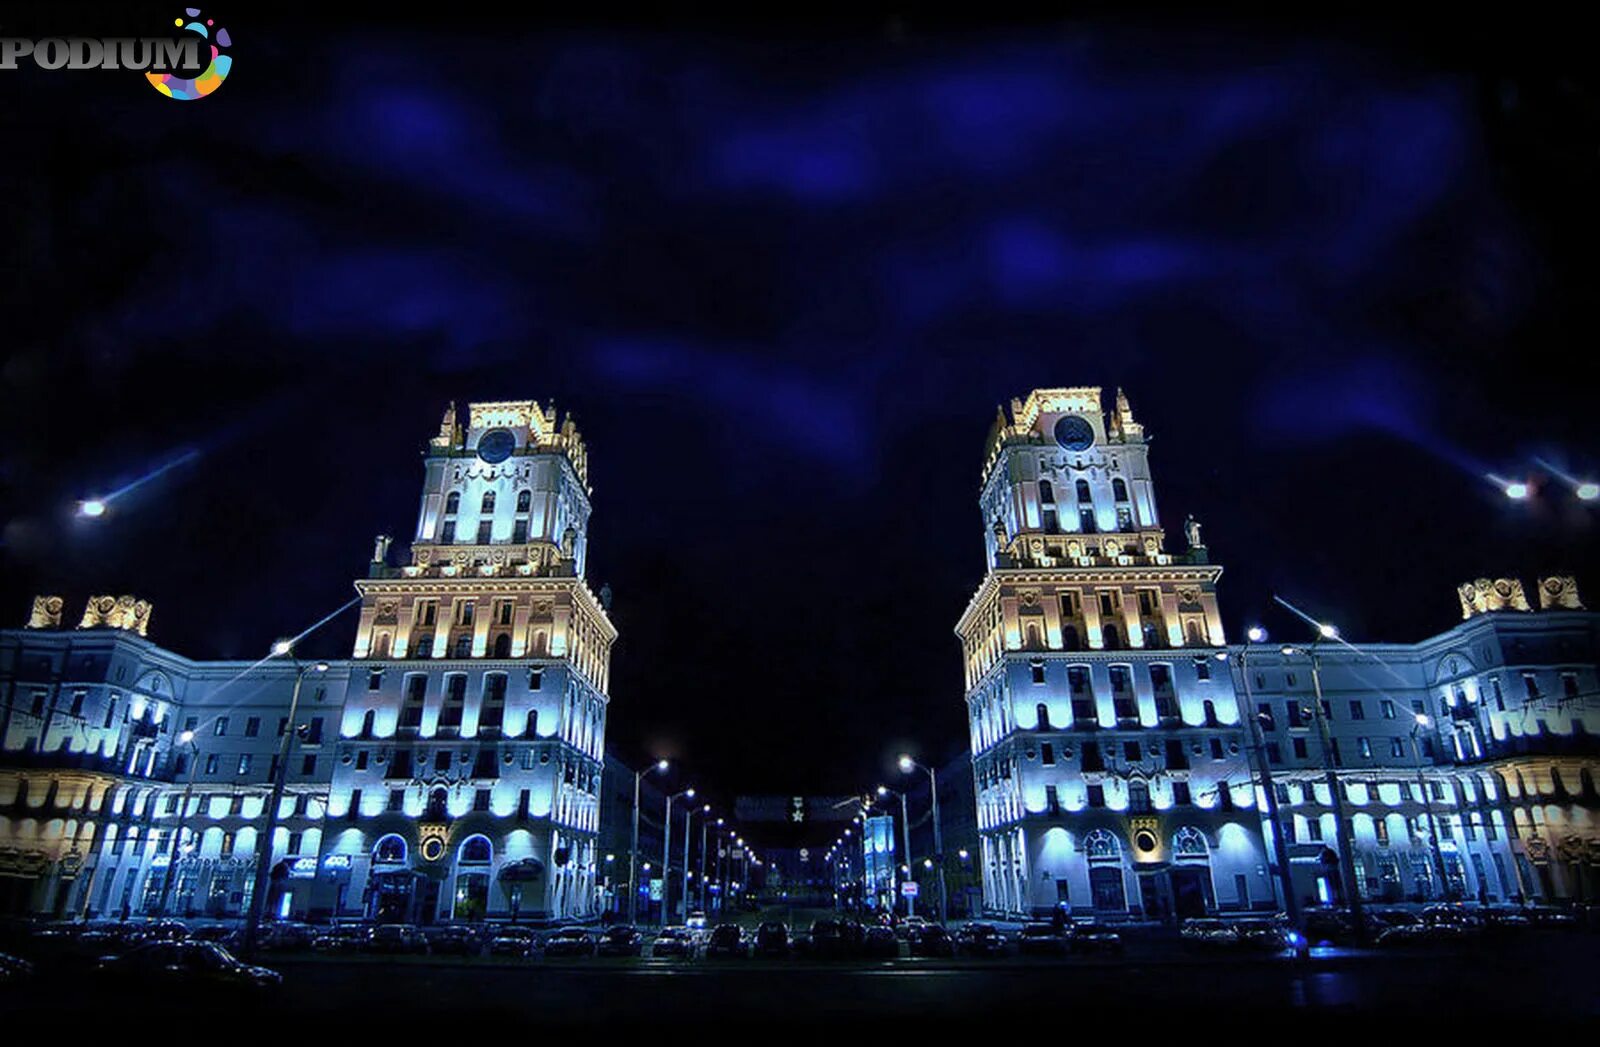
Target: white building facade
(450, 770)
(1116, 765)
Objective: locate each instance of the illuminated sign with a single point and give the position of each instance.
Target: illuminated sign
(336, 862)
(303, 868)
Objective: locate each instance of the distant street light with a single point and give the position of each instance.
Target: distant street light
(1588, 491)
(1516, 490)
(633, 848)
(92, 508)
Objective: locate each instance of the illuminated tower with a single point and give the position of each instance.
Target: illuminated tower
(474, 727)
(1107, 751)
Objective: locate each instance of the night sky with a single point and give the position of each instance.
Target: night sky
(783, 277)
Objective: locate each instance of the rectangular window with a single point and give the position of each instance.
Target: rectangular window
(1274, 753)
(1037, 669)
(354, 809)
(397, 799)
(308, 765)
(485, 531)
(1365, 747)
(1180, 794)
(191, 722)
(361, 760)
(1299, 748)
(1047, 754)
(441, 760)
(1131, 752)
(244, 763)
(1387, 708)
(211, 763)
(1397, 748)
(1357, 710)
(375, 679)
(1264, 716)
(220, 728)
(1097, 795)
(480, 800)
(252, 727)
(1052, 801)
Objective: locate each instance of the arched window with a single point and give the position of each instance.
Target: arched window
(381, 648)
(1070, 640)
(1033, 637)
(452, 504)
(1119, 490)
(1197, 636)
(1083, 491)
(1210, 708)
(532, 729)
(463, 646)
(1189, 842)
(1138, 797)
(1042, 714)
(1102, 845)
(487, 505)
(1112, 638)
(369, 724)
(476, 851)
(502, 645)
(540, 642)
(524, 501)
(391, 850)
(424, 647)
(1047, 491)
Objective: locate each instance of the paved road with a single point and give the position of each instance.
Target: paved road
(1535, 981)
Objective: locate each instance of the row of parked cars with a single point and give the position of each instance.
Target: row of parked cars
(1437, 924)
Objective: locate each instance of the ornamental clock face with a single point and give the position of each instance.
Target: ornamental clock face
(496, 445)
(1074, 432)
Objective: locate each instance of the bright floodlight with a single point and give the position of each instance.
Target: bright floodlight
(1328, 631)
(1286, 650)
(91, 507)
(661, 765)
(1516, 490)
(1422, 720)
(883, 790)
(282, 647)
(321, 667)
(186, 737)
(906, 763)
(1588, 491)
(1256, 634)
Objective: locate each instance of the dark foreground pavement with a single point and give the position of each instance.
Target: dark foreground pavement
(1535, 982)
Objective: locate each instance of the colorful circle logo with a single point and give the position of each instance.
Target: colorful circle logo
(209, 80)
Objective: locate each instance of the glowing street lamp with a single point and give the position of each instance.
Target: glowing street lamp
(633, 848)
(93, 508)
(1516, 490)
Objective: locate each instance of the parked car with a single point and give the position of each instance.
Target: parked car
(673, 941)
(14, 970)
(980, 939)
(1550, 916)
(394, 939)
(454, 940)
(569, 941)
(1208, 933)
(879, 943)
(164, 931)
(696, 920)
(1329, 927)
(1042, 939)
(1088, 936)
(201, 966)
(772, 939)
(512, 941)
(727, 940)
(621, 940)
(348, 938)
(1261, 935)
(215, 932)
(285, 937)
(932, 940)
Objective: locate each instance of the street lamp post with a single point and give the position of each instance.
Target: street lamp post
(666, 855)
(688, 821)
(1341, 824)
(633, 849)
(1258, 746)
(1422, 721)
(907, 765)
(264, 843)
(185, 738)
(705, 823)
